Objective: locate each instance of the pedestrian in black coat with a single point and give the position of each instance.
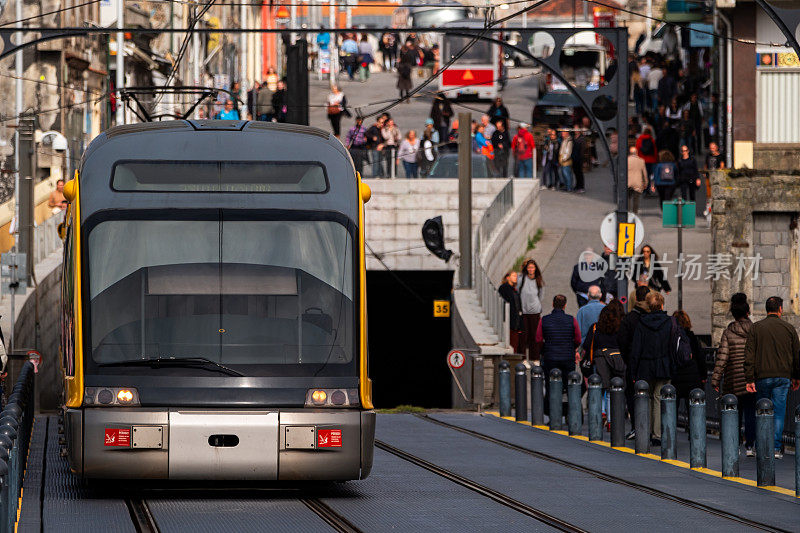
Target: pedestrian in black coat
(509, 293)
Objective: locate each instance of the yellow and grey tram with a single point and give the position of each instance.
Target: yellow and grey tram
(214, 305)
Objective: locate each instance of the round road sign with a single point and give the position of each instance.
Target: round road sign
(456, 359)
(608, 230)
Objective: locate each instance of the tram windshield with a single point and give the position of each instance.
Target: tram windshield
(257, 292)
(479, 53)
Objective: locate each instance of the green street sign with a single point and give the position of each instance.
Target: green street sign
(669, 215)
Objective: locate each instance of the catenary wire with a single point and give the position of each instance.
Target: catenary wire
(54, 12)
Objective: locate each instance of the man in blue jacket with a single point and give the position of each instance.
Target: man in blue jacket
(559, 335)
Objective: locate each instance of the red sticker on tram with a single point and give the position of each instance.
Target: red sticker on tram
(329, 438)
(118, 437)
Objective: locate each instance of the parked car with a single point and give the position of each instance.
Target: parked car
(447, 167)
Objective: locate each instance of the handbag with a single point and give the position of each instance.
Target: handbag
(334, 109)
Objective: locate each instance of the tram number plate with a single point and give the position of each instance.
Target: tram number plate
(329, 438)
(118, 437)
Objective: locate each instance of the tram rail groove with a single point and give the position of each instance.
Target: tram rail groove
(142, 518)
(608, 477)
(483, 490)
(330, 516)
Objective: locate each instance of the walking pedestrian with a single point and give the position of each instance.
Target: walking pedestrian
(530, 286)
(578, 151)
(408, 154)
(565, 161)
(375, 145)
(498, 111)
(650, 357)
(366, 56)
(654, 76)
(637, 179)
(729, 368)
(646, 148)
(349, 55)
(356, 142)
(508, 291)
(404, 79)
(550, 160)
(522, 146)
(646, 266)
(337, 106)
(502, 146)
(693, 374)
(264, 110)
(601, 349)
(587, 315)
(586, 263)
(771, 363)
(426, 155)
(625, 342)
(441, 113)
(665, 177)
(391, 140)
(280, 101)
(688, 174)
(559, 335)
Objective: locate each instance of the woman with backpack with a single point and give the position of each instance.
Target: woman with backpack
(692, 375)
(508, 291)
(530, 286)
(665, 177)
(646, 148)
(601, 353)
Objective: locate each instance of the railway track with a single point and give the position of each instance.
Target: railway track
(608, 477)
(483, 490)
(142, 518)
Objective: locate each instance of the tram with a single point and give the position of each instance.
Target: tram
(479, 72)
(214, 306)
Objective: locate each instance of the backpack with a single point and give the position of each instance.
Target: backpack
(665, 174)
(648, 146)
(681, 351)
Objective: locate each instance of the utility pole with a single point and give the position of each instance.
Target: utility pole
(465, 200)
(243, 57)
(18, 70)
(334, 52)
(649, 22)
(195, 56)
(120, 60)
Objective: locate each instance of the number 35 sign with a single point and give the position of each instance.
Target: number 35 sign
(441, 308)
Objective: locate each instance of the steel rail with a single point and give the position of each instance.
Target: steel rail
(330, 516)
(142, 518)
(609, 477)
(483, 490)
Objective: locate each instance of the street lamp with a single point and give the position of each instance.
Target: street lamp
(58, 143)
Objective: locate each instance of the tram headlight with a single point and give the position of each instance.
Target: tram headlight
(332, 398)
(124, 396)
(110, 396)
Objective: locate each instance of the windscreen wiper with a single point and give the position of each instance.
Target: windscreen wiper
(156, 362)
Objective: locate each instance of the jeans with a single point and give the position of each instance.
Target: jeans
(566, 367)
(500, 165)
(655, 407)
(550, 174)
(633, 201)
(688, 191)
(747, 411)
(776, 389)
(411, 169)
(525, 168)
(567, 177)
(377, 168)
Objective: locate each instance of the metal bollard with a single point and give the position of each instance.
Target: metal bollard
(641, 416)
(595, 408)
(521, 393)
(797, 451)
(575, 409)
(505, 389)
(617, 412)
(697, 429)
(669, 423)
(537, 396)
(4, 496)
(729, 435)
(765, 443)
(556, 392)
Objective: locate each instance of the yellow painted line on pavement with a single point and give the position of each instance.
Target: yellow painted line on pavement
(673, 462)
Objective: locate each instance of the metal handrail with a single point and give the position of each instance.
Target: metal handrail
(492, 304)
(16, 423)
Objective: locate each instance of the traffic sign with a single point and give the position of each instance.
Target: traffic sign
(669, 214)
(627, 230)
(608, 230)
(456, 359)
(441, 308)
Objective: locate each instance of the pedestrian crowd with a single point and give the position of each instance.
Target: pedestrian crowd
(644, 342)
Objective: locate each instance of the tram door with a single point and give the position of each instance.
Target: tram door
(407, 344)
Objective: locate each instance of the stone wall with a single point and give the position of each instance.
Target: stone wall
(756, 215)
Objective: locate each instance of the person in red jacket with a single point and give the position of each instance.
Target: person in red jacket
(522, 146)
(647, 150)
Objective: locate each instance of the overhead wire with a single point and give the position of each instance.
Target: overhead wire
(54, 12)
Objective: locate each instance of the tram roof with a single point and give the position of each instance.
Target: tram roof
(199, 141)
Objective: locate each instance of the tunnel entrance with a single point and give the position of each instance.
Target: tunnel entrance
(407, 345)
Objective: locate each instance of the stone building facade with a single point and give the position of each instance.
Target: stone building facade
(755, 216)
